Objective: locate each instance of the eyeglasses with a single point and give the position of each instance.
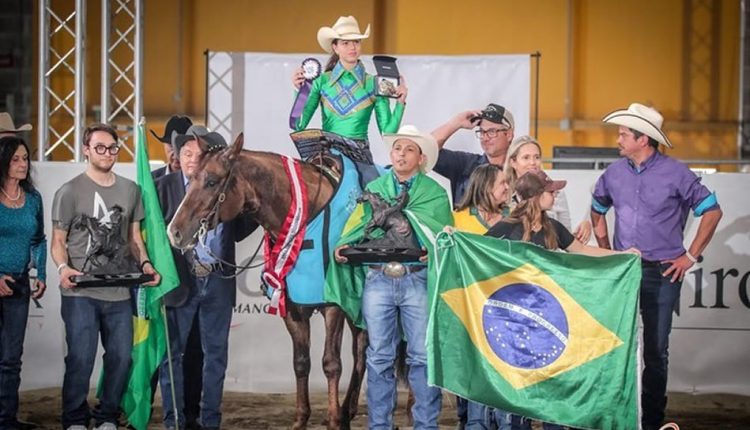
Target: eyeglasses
(489, 133)
(102, 149)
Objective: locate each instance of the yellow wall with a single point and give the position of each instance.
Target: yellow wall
(622, 51)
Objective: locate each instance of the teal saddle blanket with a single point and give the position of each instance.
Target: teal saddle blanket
(305, 283)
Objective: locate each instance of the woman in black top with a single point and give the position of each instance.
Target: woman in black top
(529, 222)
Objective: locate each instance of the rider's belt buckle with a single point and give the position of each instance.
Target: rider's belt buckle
(394, 269)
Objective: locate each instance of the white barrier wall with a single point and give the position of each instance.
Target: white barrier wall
(252, 92)
(710, 340)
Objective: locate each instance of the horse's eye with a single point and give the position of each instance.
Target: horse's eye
(210, 183)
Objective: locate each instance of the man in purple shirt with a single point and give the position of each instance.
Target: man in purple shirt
(652, 195)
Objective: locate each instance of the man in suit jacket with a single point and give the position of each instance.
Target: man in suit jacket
(192, 364)
(203, 291)
(176, 123)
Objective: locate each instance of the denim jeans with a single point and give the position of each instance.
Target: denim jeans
(658, 299)
(385, 302)
(211, 300)
(482, 417)
(85, 320)
(14, 312)
(518, 422)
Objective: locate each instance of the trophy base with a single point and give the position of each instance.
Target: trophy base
(121, 280)
(359, 255)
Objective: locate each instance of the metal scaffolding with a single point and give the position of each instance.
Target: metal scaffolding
(62, 109)
(122, 67)
(62, 54)
(701, 48)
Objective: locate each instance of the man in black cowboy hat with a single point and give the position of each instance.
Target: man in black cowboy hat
(207, 292)
(180, 125)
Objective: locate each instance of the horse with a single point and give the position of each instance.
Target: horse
(236, 182)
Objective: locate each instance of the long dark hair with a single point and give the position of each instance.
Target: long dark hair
(479, 191)
(528, 212)
(334, 58)
(8, 147)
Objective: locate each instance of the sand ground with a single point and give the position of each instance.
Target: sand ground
(276, 411)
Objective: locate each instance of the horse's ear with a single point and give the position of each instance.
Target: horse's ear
(203, 144)
(236, 147)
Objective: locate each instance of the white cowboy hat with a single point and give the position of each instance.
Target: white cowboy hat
(7, 126)
(426, 143)
(345, 28)
(641, 118)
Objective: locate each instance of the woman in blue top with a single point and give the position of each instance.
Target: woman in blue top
(22, 236)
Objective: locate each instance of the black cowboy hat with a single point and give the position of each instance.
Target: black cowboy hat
(176, 123)
(214, 140)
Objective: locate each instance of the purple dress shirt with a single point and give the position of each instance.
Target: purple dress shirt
(651, 204)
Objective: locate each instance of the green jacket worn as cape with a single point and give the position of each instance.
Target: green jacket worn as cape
(428, 212)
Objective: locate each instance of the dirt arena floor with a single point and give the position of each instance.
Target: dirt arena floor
(275, 411)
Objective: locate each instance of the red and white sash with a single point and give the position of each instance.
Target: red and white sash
(280, 260)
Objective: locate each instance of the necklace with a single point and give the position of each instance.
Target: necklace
(13, 199)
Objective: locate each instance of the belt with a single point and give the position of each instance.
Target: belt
(649, 263)
(413, 268)
(202, 270)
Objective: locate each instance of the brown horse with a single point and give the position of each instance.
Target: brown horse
(235, 182)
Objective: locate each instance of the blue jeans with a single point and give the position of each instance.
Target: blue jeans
(658, 299)
(385, 301)
(518, 422)
(14, 312)
(211, 300)
(482, 417)
(85, 320)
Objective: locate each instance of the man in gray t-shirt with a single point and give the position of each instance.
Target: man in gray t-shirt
(113, 207)
(95, 216)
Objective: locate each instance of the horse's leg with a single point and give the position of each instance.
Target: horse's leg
(297, 323)
(334, 320)
(359, 347)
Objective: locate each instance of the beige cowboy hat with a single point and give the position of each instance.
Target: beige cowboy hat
(7, 126)
(345, 28)
(426, 142)
(642, 118)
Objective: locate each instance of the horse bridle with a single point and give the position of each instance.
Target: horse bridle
(203, 230)
(213, 215)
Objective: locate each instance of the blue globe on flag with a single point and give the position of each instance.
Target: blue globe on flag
(525, 325)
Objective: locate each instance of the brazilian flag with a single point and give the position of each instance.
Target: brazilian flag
(149, 333)
(546, 335)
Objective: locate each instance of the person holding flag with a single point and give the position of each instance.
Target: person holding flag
(529, 222)
(389, 297)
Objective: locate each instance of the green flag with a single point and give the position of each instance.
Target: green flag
(149, 335)
(428, 211)
(546, 335)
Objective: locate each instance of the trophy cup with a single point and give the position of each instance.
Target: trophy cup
(109, 262)
(397, 245)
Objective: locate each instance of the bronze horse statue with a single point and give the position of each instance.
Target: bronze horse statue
(235, 182)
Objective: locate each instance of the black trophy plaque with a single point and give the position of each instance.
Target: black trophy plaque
(387, 79)
(109, 262)
(397, 244)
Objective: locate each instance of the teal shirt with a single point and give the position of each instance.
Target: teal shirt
(22, 237)
(347, 99)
